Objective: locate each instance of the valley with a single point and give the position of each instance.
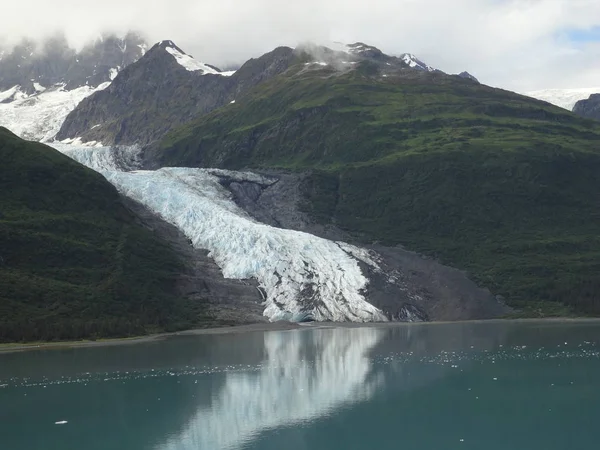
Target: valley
(310, 184)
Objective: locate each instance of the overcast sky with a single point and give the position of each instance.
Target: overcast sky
(516, 44)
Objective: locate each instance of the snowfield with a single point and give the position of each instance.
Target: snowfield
(302, 276)
(39, 117)
(565, 98)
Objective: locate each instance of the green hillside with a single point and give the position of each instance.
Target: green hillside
(73, 262)
(501, 185)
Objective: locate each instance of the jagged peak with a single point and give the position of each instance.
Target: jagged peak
(360, 48)
(415, 63)
(468, 76)
(187, 61)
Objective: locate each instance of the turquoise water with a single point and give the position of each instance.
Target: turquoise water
(496, 385)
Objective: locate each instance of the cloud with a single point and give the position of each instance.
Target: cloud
(516, 44)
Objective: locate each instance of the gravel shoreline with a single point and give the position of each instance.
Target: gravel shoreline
(262, 327)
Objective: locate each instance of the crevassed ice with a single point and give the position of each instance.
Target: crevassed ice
(39, 117)
(301, 274)
(102, 158)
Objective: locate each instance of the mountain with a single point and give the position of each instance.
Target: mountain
(40, 83)
(251, 226)
(167, 88)
(164, 89)
(492, 182)
(75, 261)
(589, 108)
(33, 66)
(565, 98)
(468, 76)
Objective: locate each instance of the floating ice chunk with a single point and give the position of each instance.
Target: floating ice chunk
(61, 422)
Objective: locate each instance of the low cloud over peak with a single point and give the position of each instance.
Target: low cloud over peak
(516, 44)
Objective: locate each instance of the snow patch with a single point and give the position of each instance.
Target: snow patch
(415, 62)
(77, 142)
(191, 65)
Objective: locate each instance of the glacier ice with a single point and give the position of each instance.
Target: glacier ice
(39, 116)
(300, 273)
(565, 98)
(101, 158)
(303, 276)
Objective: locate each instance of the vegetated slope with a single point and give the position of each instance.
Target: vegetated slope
(489, 181)
(73, 261)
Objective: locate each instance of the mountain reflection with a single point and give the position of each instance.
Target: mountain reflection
(305, 375)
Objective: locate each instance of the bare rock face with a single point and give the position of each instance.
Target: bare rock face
(468, 76)
(406, 286)
(228, 302)
(589, 108)
(158, 93)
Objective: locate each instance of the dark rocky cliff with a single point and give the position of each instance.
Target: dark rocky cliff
(156, 94)
(589, 108)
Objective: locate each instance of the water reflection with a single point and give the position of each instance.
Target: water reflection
(287, 389)
(305, 375)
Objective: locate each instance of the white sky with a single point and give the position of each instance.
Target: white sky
(516, 44)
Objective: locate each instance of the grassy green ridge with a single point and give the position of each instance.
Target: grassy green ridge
(73, 261)
(501, 185)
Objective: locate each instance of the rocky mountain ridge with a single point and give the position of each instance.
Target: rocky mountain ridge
(589, 107)
(33, 67)
(167, 88)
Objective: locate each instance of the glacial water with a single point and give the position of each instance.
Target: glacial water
(491, 385)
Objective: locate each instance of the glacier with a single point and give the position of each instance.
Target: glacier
(38, 117)
(302, 276)
(565, 98)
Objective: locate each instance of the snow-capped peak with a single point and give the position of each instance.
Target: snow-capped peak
(359, 48)
(189, 63)
(415, 62)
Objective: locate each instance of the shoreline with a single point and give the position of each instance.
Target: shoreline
(264, 327)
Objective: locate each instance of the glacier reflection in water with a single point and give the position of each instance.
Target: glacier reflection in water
(305, 375)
